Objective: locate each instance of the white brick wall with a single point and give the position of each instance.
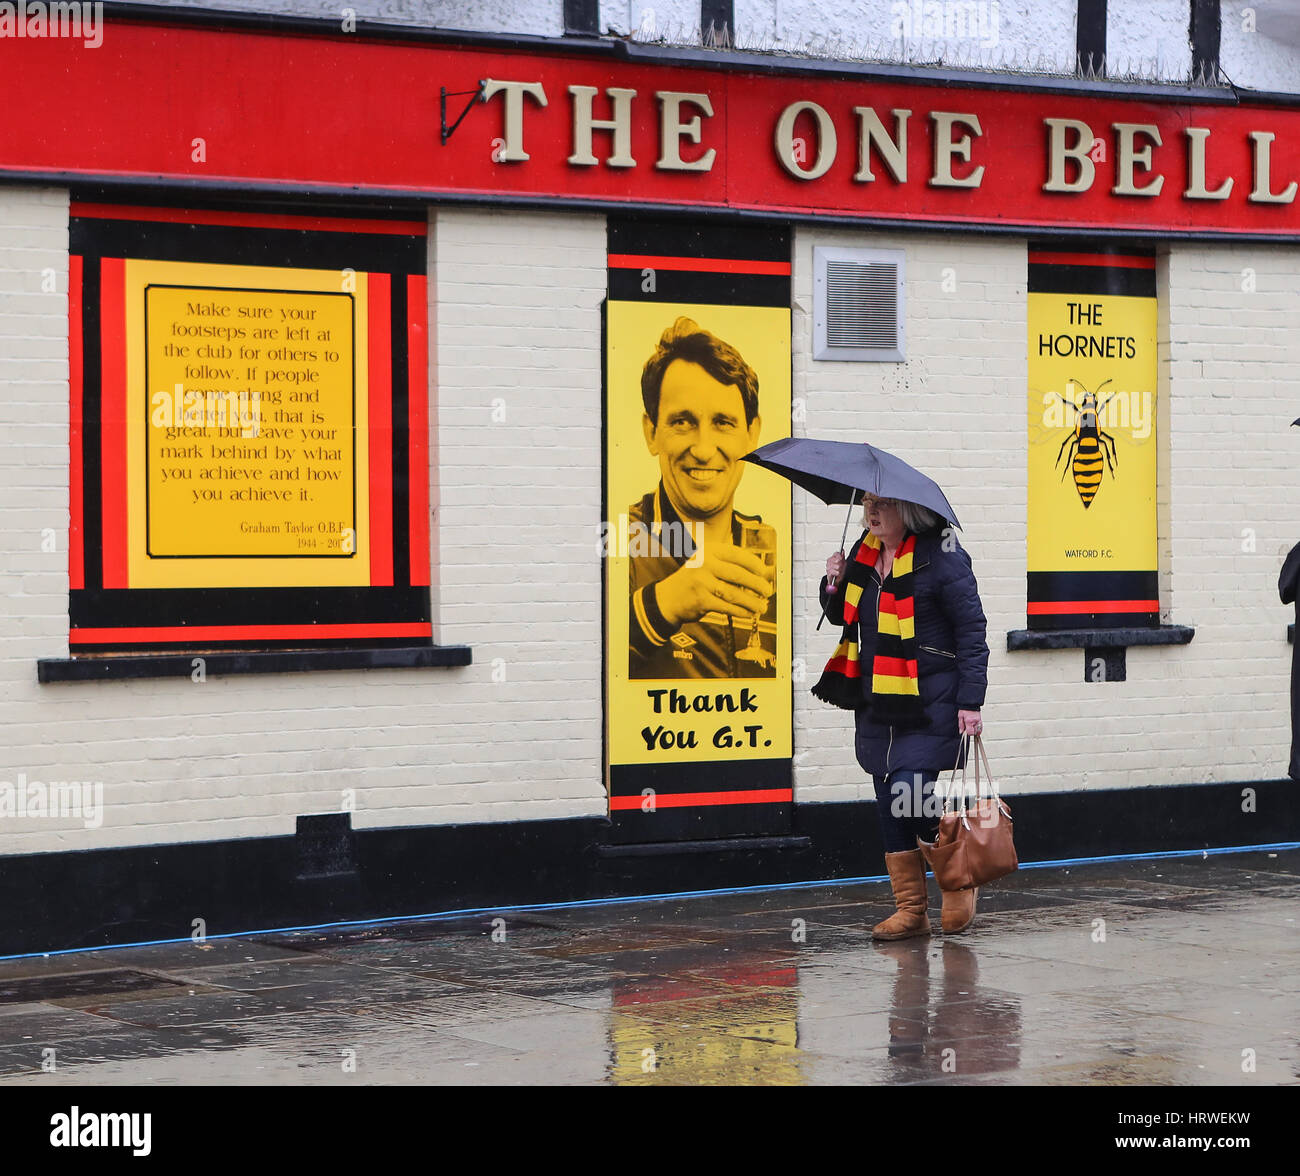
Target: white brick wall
(33, 469)
(956, 408)
(1234, 478)
(1215, 710)
(518, 326)
(516, 311)
(516, 329)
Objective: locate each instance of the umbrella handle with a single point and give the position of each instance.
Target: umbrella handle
(831, 587)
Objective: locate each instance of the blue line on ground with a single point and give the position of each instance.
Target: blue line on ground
(435, 916)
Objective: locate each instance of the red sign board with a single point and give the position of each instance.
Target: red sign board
(334, 111)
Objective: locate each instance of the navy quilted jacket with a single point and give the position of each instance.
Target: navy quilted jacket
(1288, 585)
(952, 659)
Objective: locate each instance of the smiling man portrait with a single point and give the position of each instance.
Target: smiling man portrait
(703, 600)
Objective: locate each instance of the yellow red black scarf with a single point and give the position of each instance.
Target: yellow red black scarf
(895, 694)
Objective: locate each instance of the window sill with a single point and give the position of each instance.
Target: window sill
(1019, 639)
(1105, 651)
(279, 661)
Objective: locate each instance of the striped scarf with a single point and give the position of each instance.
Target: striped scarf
(895, 695)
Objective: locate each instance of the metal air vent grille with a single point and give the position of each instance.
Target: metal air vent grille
(858, 311)
(862, 304)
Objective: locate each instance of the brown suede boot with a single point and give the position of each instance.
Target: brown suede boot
(958, 910)
(907, 877)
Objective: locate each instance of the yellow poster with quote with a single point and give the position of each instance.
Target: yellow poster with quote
(1091, 557)
(696, 541)
(246, 426)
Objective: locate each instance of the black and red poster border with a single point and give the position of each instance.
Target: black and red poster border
(106, 614)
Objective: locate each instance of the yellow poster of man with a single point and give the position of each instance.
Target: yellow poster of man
(697, 542)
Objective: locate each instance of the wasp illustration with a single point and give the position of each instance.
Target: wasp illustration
(1089, 446)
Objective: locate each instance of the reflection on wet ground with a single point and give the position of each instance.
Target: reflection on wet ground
(1151, 972)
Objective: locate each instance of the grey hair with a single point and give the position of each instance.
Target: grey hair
(915, 517)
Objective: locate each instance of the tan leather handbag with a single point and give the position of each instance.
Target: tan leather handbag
(974, 844)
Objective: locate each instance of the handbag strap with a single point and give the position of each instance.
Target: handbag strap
(988, 771)
(962, 761)
(979, 781)
(987, 777)
(981, 754)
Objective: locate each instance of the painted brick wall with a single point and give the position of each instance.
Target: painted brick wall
(515, 735)
(516, 332)
(1234, 483)
(956, 408)
(33, 480)
(519, 362)
(1214, 710)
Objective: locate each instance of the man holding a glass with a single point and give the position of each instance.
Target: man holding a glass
(703, 601)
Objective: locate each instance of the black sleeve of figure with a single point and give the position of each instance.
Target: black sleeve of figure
(960, 600)
(1286, 582)
(648, 631)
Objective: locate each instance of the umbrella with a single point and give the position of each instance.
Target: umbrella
(841, 471)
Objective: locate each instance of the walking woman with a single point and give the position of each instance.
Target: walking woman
(913, 666)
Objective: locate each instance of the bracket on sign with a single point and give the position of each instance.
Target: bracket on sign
(448, 131)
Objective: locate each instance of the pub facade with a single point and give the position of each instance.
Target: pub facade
(334, 493)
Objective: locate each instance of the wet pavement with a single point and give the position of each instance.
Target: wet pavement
(1180, 972)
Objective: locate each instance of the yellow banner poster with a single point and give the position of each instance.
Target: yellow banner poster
(252, 398)
(1092, 451)
(249, 416)
(696, 547)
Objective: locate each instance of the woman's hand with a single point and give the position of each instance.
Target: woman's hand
(969, 722)
(835, 567)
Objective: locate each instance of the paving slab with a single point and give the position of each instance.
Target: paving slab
(1166, 972)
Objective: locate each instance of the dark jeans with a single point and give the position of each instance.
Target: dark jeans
(907, 808)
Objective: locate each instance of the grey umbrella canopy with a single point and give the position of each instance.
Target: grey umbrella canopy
(840, 471)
